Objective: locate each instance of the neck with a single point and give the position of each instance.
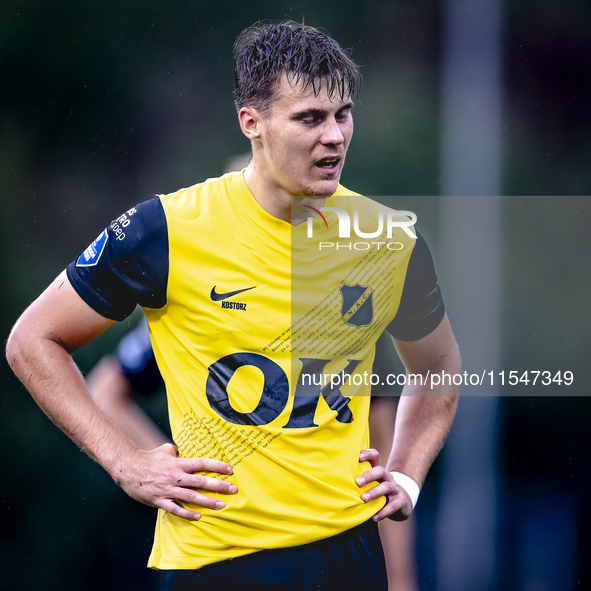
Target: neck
(276, 201)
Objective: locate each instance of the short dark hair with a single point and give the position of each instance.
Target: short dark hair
(264, 52)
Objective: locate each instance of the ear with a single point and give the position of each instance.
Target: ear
(250, 121)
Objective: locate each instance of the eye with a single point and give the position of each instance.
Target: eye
(343, 115)
(312, 120)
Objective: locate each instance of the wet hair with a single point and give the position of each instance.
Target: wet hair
(264, 52)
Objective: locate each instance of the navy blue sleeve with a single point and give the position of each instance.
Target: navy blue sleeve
(421, 304)
(135, 357)
(126, 265)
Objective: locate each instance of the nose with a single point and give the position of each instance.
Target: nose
(331, 133)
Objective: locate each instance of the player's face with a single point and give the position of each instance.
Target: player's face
(305, 140)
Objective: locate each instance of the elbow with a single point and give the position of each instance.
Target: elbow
(456, 359)
(453, 357)
(14, 348)
(452, 367)
(20, 347)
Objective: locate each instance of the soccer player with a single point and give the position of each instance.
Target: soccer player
(270, 482)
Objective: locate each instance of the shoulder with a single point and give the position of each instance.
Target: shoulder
(200, 194)
(372, 219)
(138, 226)
(127, 264)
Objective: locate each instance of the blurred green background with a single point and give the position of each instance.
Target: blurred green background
(105, 104)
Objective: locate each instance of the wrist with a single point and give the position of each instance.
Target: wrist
(117, 461)
(411, 488)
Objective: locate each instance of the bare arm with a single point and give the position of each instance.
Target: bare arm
(114, 395)
(425, 415)
(423, 419)
(58, 323)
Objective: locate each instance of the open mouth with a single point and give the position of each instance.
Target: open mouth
(328, 163)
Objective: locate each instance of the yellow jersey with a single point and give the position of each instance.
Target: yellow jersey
(264, 335)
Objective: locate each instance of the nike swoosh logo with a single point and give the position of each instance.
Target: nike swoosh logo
(218, 297)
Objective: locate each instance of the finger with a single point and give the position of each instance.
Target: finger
(370, 455)
(373, 474)
(382, 489)
(397, 509)
(207, 483)
(386, 512)
(189, 495)
(205, 465)
(171, 507)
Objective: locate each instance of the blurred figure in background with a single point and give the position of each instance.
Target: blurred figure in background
(117, 381)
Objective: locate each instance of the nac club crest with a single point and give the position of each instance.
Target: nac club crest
(357, 308)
